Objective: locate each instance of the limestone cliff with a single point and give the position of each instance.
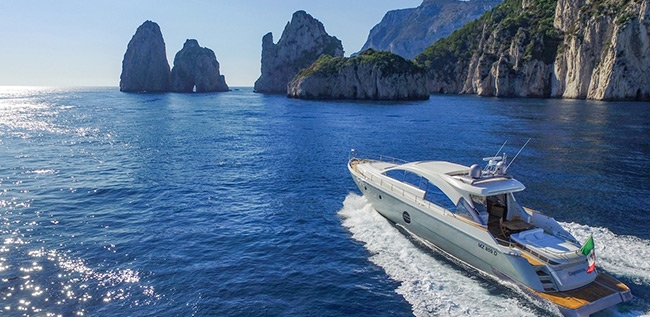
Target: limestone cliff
(408, 32)
(370, 75)
(606, 50)
(196, 69)
(145, 67)
(509, 51)
(303, 40)
(595, 49)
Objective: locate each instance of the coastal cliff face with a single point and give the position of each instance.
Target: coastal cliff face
(407, 32)
(606, 50)
(145, 67)
(595, 49)
(370, 75)
(508, 52)
(303, 40)
(196, 69)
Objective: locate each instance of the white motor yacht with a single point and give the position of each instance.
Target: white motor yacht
(471, 214)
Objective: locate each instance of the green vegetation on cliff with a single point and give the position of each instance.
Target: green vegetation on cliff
(531, 26)
(387, 62)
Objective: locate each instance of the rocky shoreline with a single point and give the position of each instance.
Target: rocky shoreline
(371, 75)
(519, 48)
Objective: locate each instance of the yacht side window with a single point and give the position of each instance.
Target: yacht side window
(409, 178)
(435, 195)
(396, 174)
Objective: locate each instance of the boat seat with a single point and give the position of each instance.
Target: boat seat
(531, 235)
(541, 242)
(504, 231)
(515, 225)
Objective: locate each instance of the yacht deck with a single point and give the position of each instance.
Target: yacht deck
(604, 286)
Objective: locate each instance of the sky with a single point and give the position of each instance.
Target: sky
(82, 43)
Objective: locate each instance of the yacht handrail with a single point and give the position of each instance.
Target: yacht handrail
(376, 157)
(518, 246)
(403, 193)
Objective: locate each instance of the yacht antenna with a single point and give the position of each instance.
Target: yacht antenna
(501, 148)
(513, 159)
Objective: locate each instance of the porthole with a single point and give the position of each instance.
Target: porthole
(379, 196)
(407, 217)
(365, 188)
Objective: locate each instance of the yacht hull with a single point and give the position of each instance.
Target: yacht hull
(464, 242)
(473, 245)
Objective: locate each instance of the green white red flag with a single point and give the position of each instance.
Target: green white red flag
(588, 250)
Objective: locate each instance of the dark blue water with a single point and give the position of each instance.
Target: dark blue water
(240, 204)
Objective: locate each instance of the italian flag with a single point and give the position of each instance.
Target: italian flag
(588, 250)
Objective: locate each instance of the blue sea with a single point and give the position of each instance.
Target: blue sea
(240, 204)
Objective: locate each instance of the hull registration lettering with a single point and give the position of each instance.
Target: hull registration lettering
(488, 249)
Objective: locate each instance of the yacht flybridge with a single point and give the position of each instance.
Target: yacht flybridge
(471, 214)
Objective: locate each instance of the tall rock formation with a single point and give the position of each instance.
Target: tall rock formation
(145, 67)
(303, 40)
(196, 69)
(408, 32)
(594, 49)
(372, 75)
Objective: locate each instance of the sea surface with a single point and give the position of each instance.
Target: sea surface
(240, 204)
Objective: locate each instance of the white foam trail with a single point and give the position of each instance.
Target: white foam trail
(432, 287)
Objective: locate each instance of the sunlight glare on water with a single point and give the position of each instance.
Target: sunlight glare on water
(24, 114)
(73, 285)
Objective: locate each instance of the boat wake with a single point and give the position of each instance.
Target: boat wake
(433, 285)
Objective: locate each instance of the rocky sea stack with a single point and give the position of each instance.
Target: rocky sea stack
(303, 40)
(371, 75)
(145, 67)
(196, 69)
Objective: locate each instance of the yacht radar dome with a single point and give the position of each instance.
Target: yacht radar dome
(475, 171)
